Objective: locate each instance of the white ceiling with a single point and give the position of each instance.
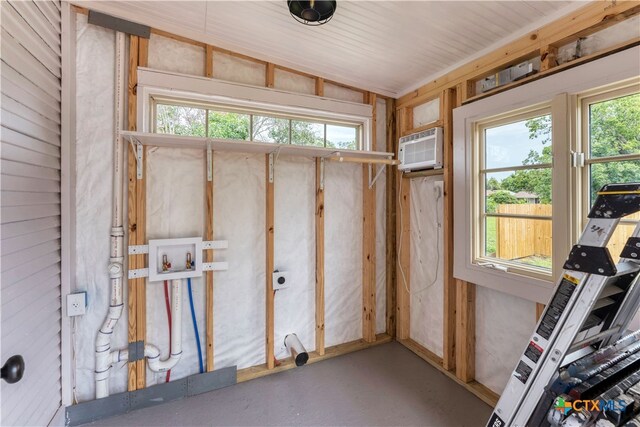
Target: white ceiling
(390, 47)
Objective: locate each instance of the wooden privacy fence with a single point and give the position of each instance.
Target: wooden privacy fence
(524, 237)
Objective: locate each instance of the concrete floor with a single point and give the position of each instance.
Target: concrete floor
(385, 385)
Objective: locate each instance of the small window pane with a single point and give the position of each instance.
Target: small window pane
(521, 240)
(307, 133)
(342, 137)
(528, 190)
(228, 125)
(614, 126)
(270, 129)
(613, 173)
(527, 142)
(180, 120)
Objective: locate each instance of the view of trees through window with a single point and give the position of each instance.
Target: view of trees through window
(517, 173)
(194, 121)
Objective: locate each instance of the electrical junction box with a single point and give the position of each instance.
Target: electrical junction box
(175, 258)
(280, 280)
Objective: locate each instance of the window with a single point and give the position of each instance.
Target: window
(527, 165)
(611, 146)
(515, 192)
(216, 122)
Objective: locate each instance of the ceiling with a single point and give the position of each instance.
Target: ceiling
(389, 47)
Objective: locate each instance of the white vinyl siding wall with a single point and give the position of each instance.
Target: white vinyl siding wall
(30, 208)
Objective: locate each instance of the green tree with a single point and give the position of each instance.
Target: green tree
(493, 184)
(500, 197)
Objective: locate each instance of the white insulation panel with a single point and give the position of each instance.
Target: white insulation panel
(234, 69)
(95, 85)
(239, 293)
(343, 252)
(292, 82)
(172, 55)
(426, 266)
(294, 251)
(343, 93)
(426, 113)
(504, 324)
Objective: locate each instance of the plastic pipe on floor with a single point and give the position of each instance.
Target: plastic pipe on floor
(297, 350)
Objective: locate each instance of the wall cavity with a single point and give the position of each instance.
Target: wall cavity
(167, 54)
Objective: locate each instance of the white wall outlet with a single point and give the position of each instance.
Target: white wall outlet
(76, 304)
(280, 280)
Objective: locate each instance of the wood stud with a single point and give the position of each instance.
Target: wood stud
(391, 276)
(269, 266)
(208, 64)
(449, 312)
(369, 240)
(208, 231)
(320, 349)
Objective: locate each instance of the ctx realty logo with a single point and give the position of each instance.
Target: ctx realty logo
(565, 406)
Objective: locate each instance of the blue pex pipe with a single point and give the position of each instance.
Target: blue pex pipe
(195, 326)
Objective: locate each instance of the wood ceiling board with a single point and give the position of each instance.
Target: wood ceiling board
(387, 47)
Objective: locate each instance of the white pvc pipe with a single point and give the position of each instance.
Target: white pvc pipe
(151, 352)
(104, 356)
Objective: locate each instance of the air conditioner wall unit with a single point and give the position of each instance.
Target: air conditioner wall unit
(421, 150)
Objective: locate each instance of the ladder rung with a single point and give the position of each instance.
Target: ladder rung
(602, 302)
(610, 290)
(597, 337)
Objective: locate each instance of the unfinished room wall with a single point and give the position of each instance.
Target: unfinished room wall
(172, 55)
(175, 209)
(381, 220)
(426, 113)
(234, 69)
(343, 252)
(426, 265)
(239, 293)
(504, 324)
(295, 251)
(95, 87)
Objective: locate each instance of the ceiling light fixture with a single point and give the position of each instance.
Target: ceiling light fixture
(312, 12)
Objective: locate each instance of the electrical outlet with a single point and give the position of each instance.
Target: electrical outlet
(76, 304)
(280, 280)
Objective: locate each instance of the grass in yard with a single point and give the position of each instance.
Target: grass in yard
(536, 261)
(490, 236)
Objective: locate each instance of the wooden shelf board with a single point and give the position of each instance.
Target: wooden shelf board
(178, 141)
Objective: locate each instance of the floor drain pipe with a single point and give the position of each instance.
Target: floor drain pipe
(297, 350)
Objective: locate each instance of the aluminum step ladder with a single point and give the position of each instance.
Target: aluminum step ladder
(592, 305)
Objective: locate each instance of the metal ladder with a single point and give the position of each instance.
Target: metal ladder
(592, 305)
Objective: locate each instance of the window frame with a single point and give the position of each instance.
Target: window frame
(561, 91)
(479, 188)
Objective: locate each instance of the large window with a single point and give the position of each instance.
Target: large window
(515, 192)
(217, 122)
(611, 146)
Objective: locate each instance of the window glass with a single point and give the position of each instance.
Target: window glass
(228, 125)
(342, 137)
(270, 129)
(307, 133)
(525, 142)
(180, 120)
(613, 172)
(614, 126)
(516, 210)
